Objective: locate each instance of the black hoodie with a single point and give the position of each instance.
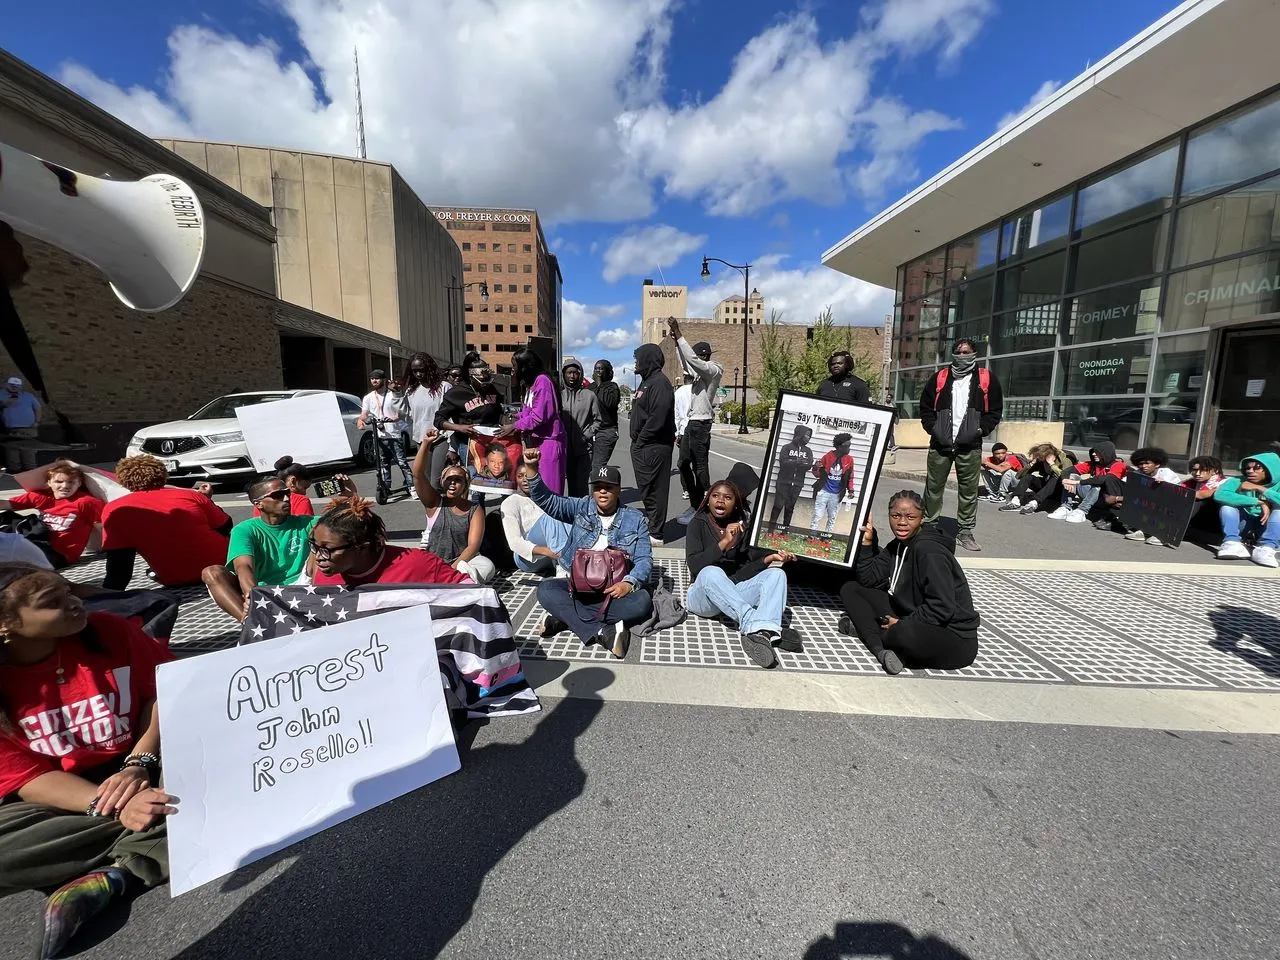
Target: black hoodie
(1096, 474)
(931, 587)
(653, 412)
(702, 548)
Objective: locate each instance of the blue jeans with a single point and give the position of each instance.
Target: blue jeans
(545, 533)
(392, 448)
(580, 615)
(1235, 523)
(754, 604)
(824, 503)
(1083, 499)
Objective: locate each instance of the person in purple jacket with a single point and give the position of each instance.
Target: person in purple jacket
(539, 420)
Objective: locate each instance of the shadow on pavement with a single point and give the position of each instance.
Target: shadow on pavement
(880, 940)
(1234, 624)
(402, 880)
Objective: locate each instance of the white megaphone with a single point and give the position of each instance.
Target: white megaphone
(147, 236)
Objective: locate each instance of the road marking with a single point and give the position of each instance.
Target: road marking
(999, 702)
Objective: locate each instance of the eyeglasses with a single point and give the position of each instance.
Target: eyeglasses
(453, 479)
(325, 553)
(273, 495)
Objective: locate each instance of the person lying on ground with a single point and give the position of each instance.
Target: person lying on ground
(454, 529)
(83, 812)
(1249, 506)
(1152, 462)
(999, 473)
(536, 541)
(745, 584)
(597, 522)
(178, 532)
(269, 549)
(909, 602)
(1083, 486)
(1040, 481)
(349, 543)
(1206, 476)
(68, 512)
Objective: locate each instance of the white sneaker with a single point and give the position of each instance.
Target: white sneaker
(1076, 516)
(1060, 513)
(1155, 542)
(413, 494)
(1265, 557)
(684, 495)
(655, 542)
(1233, 550)
(1136, 535)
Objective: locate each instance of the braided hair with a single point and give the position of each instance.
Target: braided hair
(354, 519)
(910, 495)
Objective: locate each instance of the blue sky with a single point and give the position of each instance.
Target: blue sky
(646, 132)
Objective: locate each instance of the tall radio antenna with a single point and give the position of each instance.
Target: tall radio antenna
(360, 149)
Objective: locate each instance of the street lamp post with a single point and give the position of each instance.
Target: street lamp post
(455, 287)
(745, 270)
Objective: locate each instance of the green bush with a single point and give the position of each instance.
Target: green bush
(757, 413)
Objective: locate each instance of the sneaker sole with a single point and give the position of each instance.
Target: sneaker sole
(621, 644)
(759, 652)
(892, 664)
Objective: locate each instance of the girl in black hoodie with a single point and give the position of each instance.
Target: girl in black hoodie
(910, 603)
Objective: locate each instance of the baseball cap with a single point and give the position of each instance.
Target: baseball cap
(14, 381)
(377, 373)
(570, 362)
(702, 350)
(606, 474)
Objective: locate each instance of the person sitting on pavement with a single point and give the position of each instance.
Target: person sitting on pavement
(454, 524)
(1085, 484)
(1206, 477)
(381, 408)
(79, 754)
(909, 602)
(835, 474)
(1249, 505)
(495, 469)
(745, 584)
(68, 511)
(178, 532)
(999, 473)
(1154, 463)
(695, 443)
(597, 522)
(269, 549)
(349, 542)
(1039, 482)
(536, 541)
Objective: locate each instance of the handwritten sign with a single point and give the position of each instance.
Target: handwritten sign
(308, 428)
(1157, 508)
(267, 744)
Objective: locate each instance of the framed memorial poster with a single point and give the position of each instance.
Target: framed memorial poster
(818, 477)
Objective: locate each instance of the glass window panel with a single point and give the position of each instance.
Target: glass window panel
(1019, 408)
(909, 385)
(913, 280)
(1032, 282)
(916, 349)
(1247, 218)
(1236, 148)
(1134, 252)
(979, 331)
(898, 286)
(1220, 292)
(1033, 328)
(974, 254)
(1106, 368)
(972, 299)
(1128, 310)
(1138, 191)
(934, 267)
(1037, 231)
(1088, 423)
(1179, 383)
(1028, 375)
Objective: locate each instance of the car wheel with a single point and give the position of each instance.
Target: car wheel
(368, 456)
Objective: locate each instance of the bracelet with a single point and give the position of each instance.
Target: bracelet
(147, 761)
(92, 809)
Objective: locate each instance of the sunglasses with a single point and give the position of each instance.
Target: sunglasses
(273, 495)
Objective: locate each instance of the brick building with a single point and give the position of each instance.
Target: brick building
(731, 310)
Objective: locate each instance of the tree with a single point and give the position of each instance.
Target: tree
(782, 367)
(777, 367)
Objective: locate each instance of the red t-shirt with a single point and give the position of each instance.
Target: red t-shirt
(70, 521)
(398, 565)
(92, 719)
(299, 506)
(174, 530)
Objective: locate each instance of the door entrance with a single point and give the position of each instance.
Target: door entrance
(1247, 411)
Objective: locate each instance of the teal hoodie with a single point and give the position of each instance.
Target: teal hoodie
(1229, 493)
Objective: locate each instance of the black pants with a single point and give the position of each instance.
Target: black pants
(652, 465)
(784, 501)
(577, 471)
(920, 646)
(602, 447)
(695, 452)
(1033, 487)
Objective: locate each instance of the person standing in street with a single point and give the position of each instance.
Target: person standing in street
(382, 405)
(684, 393)
(842, 383)
(608, 396)
(958, 407)
(581, 415)
(653, 437)
(424, 389)
(21, 409)
(539, 423)
(695, 446)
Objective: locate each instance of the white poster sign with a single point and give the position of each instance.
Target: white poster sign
(267, 744)
(309, 428)
(1254, 388)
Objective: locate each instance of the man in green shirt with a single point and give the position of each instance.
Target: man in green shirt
(268, 550)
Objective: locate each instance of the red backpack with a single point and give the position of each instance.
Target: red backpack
(984, 381)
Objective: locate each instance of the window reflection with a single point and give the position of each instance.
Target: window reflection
(1106, 368)
(1220, 292)
(1241, 146)
(1030, 375)
(974, 254)
(1035, 230)
(1030, 329)
(1138, 191)
(1090, 422)
(1179, 382)
(1247, 218)
(1032, 282)
(1133, 252)
(1127, 310)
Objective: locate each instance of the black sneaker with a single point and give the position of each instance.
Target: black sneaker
(550, 626)
(790, 641)
(759, 650)
(892, 665)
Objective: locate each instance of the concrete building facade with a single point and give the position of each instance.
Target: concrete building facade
(732, 310)
(659, 302)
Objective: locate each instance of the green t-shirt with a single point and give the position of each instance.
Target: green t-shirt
(279, 552)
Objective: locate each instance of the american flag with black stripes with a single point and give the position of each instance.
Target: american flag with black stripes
(473, 635)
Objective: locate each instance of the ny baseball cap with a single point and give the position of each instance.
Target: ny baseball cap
(702, 350)
(606, 474)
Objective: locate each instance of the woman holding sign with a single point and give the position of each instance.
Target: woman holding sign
(79, 753)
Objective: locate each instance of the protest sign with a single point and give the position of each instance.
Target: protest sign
(1156, 507)
(267, 744)
(308, 428)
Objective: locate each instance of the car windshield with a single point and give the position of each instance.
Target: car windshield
(224, 408)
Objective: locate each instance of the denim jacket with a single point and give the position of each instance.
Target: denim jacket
(629, 533)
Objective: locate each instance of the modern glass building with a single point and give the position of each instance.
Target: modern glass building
(1136, 298)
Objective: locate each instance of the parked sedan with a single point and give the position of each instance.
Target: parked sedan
(208, 445)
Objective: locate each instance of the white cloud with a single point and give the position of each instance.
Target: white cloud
(618, 338)
(584, 326)
(1043, 93)
(450, 89)
(638, 251)
(799, 294)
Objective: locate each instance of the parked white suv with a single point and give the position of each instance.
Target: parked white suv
(208, 445)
